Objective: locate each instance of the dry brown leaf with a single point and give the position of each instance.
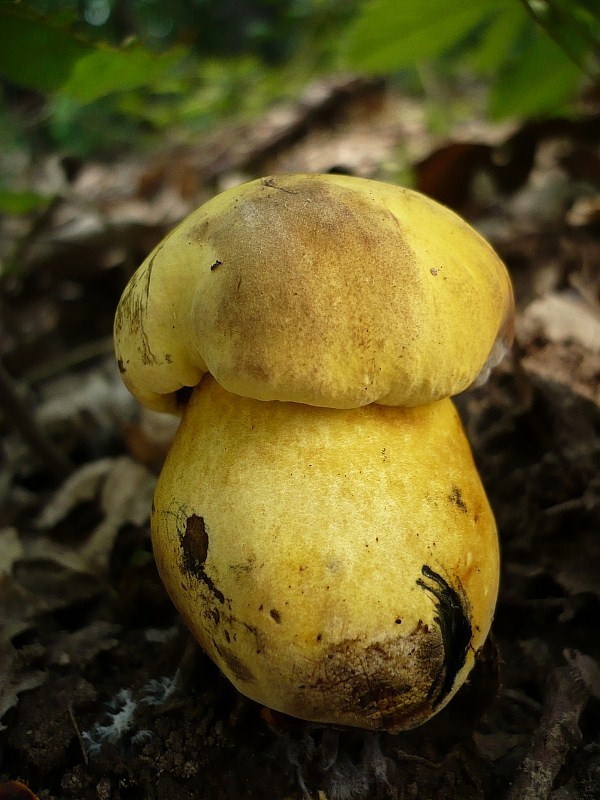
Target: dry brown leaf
(126, 499)
(568, 365)
(149, 437)
(11, 549)
(43, 550)
(560, 338)
(496, 745)
(585, 211)
(18, 608)
(587, 667)
(124, 489)
(82, 646)
(80, 408)
(561, 317)
(39, 576)
(15, 678)
(576, 569)
(83, 486)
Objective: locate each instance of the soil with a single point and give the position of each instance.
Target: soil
(103, 694)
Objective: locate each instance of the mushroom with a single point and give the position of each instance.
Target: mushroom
(319, 521)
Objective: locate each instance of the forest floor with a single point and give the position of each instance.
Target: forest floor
(103, 695)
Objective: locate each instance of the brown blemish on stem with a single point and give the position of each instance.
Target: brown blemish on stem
(194, 546)
(235, 665)
(456, 497)
(389, 681)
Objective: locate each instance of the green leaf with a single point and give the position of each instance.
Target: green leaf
(393, 34)
(497, 40)
(573, 26)
(540, 82)
(35, 54)
(107, 70)
(22, 202)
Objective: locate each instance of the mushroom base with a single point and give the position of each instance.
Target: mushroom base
(338, 566)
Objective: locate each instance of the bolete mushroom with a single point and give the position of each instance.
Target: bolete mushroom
(319, 521)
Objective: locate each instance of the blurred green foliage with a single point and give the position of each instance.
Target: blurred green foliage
(12, 202)
(92, 76)
(39, 53)
(532, 53)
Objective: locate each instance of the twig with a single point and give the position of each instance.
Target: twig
(70, 360)
(18, 412)
(78, 733)
(402, 755)
(558, 734)
(13, 265)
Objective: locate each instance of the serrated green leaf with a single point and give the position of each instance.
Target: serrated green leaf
(538, 83)
(22, 202)
(394, 34)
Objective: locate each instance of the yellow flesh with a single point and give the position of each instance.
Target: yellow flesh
(319, 289)
(339, 566)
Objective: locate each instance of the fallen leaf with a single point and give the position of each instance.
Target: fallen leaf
(496, 745)
(576, 569)
(585, 211)
(11, 549)
(82, 646)
(79, 409)
(587, 667)
(124, 490)
(126, 499)
(19, 608)
(149, 437)
(561, 317)
(559, 335)
(15, 678)
(82, 486)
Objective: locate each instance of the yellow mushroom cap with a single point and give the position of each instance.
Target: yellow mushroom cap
(337, 566)
(326, 290)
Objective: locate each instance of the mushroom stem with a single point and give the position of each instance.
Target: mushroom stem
(337, 565)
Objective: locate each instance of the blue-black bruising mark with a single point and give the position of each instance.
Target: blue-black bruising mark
(455, 628)
(194, 546)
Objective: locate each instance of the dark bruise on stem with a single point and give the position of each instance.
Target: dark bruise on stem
(194, 546)
(453, 619)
